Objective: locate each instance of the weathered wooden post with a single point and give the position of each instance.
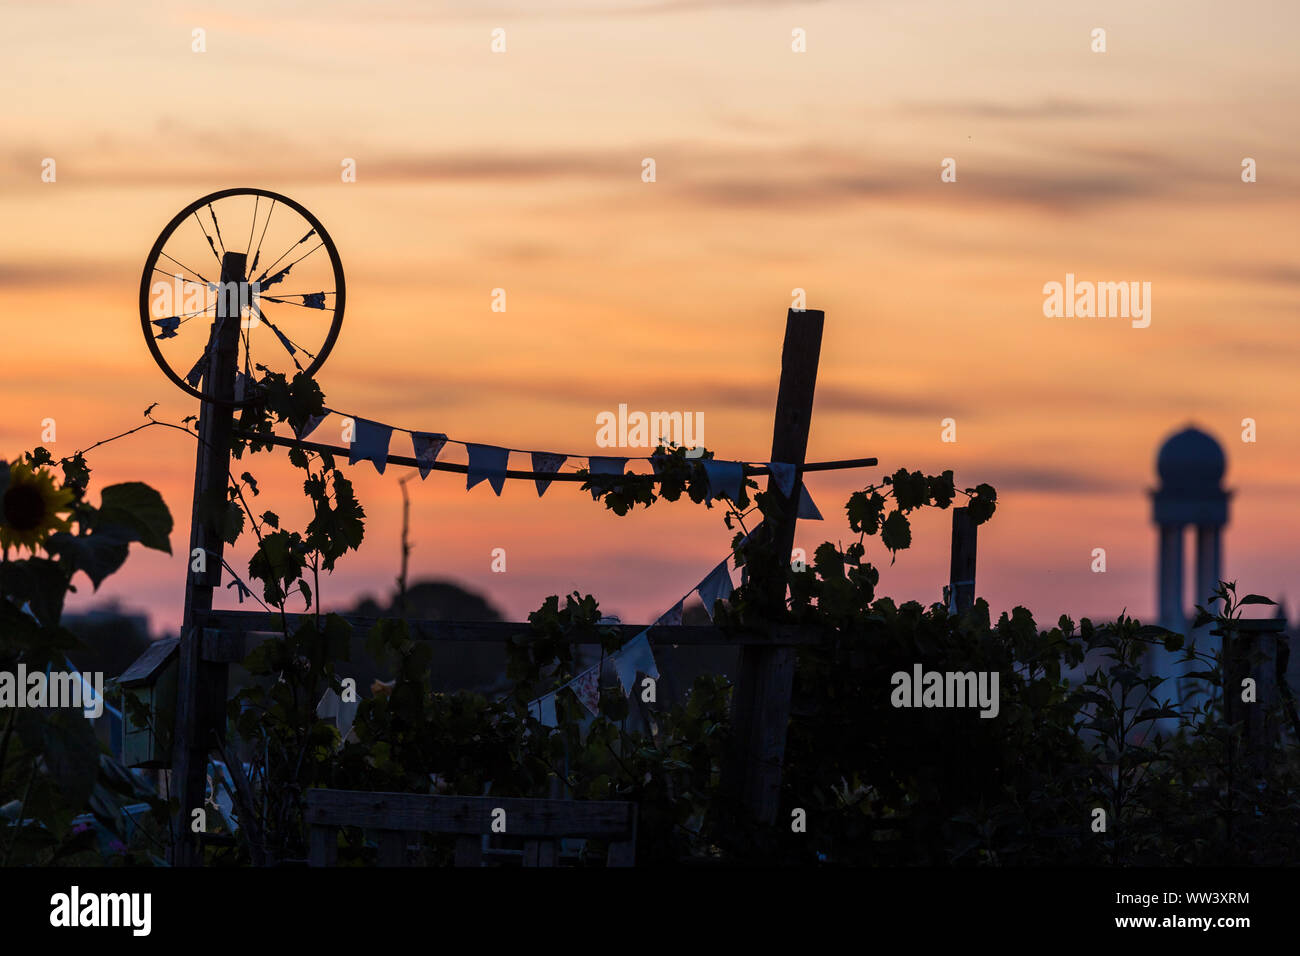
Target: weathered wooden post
(1244, 657)
(761, 701)
(201, 685)
(961, 569)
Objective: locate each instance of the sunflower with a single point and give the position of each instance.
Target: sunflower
(31, 507)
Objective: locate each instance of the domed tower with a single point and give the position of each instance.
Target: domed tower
(1191, 466)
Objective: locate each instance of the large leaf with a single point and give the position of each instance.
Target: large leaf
(98, 554)
(138, 507)
(896, 535)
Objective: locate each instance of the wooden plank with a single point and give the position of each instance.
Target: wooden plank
(961, 567)
(392, 848)
(761, 700)
(469, 815)
(469, 851)
(235, 633)
(539, 852)
(189, 764)
(622, 853)
(324, 846)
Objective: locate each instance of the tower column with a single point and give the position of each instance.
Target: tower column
(1170, 578)
(1209, 556)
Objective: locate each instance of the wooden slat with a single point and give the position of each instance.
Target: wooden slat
(324, 848)
(392, 848)
(469, 851)
(623, 852)
(469, 815)
(961, 566)
(238, 632)
(539, 853)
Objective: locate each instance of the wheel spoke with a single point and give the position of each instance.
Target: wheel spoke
(172, 275)
(206, 281)
(310, 300)
(249, 246)
(212, 245)
(217, 226)
(289, 345)
(285, 253)
(258, 254)
(279, 276)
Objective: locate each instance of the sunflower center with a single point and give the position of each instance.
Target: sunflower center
(24, 507)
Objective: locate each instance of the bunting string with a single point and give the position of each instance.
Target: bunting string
(637, 655)
(371, 440)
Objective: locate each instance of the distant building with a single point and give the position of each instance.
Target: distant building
(1191, 497)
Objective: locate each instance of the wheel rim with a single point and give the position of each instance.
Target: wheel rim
(162, 317)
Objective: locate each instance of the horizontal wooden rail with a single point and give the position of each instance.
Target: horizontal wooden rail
(531, 475)
(471, 816)
(229, 635)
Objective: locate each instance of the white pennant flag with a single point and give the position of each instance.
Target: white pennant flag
(597, 465)
(308, 426)
(806, 507)
(726, 478)
(546, 711)
(586, 687)
(370, 443)
(545, 461)
(672, 617)
(487, 461)
(783, 474)
(716, 587)
(634, 657)
(427, 445)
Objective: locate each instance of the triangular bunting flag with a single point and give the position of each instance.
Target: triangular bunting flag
(427, 445)
(806, 507)
(487, 461)
(725, 478)
(673, 617)
(586, 687)
(605, 466)
(546, 711)
(308, 426)
(549, 463)
(783, 474)
(716, 587)
(370, 443)
(634, 657)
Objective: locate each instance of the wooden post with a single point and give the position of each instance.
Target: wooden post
(761, 701)
(1244, 657)
(201, 686)
(961, 570)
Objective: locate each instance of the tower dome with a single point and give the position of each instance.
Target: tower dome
(1191, 463)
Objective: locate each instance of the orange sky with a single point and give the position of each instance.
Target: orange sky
(775, 170)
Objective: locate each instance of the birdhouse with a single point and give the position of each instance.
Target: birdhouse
(149, 705)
